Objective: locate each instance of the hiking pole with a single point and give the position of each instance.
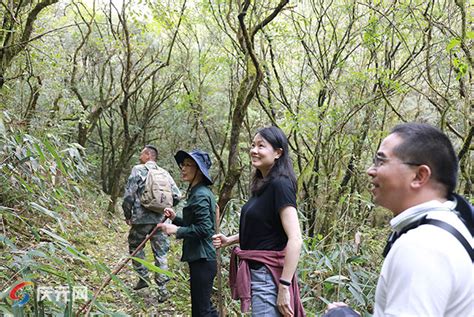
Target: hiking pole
(118, 269)
(219, 265)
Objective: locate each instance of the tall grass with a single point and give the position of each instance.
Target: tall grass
(43, 189)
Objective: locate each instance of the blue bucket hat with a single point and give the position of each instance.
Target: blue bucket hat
(201, 158)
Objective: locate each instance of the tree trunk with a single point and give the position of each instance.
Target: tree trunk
(247, 91)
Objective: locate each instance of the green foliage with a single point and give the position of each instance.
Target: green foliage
(342, 272)
(40, 207)
(152, 268)
(338, 75)
(453, 44)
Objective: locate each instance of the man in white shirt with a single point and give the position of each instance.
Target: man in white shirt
(427, 271)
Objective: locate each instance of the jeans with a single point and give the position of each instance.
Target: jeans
(264, 293)
(202, 275)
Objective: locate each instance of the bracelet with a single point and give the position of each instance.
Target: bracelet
(285, 282)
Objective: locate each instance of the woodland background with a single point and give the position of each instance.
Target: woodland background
(85, 84)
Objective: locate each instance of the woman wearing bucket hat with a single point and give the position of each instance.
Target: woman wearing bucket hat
(269, 234)
(196, 228)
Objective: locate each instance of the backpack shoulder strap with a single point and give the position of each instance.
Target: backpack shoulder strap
(144, 177)
(454, 232)
(435, 222)
(395, 235)
(148, 169)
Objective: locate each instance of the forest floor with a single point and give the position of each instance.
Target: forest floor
(93, 242)
(104, 239)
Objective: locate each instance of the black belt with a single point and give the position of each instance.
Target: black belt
(254, 265)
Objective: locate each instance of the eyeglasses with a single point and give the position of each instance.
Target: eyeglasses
(182, 165)
(378, 161)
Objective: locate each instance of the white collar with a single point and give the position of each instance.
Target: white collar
(416, 212)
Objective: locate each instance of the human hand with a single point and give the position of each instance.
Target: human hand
(219, 240)
(283, 300)
(170, 213)
(168, 228)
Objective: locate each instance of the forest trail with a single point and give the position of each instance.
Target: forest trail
(109, 247)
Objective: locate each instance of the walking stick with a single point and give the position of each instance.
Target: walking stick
(118, 269)
(219, 265)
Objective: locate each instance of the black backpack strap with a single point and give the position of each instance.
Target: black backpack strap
(454, 232)
(438, 223)
(395, 235)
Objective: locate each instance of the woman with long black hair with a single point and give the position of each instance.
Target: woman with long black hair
(269, 234)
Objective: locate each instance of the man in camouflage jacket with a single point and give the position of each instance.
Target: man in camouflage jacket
(142, 221)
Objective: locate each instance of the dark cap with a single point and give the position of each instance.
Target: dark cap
(201, 158)
(344, 311)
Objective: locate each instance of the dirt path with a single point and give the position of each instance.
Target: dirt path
(109, 246)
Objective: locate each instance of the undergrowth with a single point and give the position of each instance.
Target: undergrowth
(56, 235)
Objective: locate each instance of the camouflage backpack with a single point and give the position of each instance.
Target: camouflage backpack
(157, 194)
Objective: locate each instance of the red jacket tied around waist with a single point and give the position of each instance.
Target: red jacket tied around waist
(239, 276)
